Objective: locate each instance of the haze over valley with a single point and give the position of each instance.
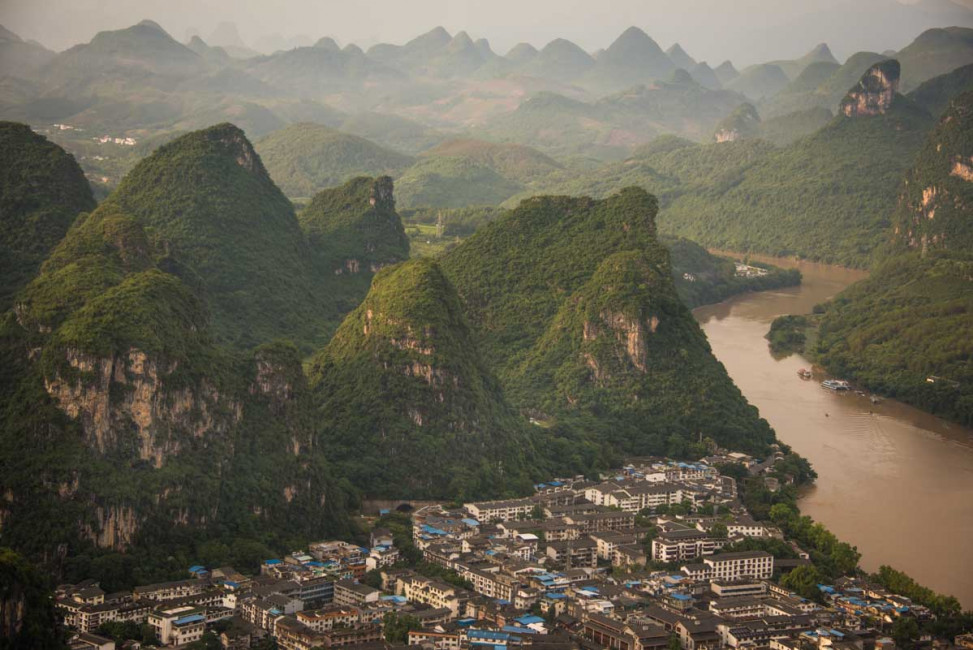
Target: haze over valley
(342, 325)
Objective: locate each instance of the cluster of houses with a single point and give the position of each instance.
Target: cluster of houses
(634, 561)
(108, 139)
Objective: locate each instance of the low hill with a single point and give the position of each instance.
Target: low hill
(935, 94)
(512, 161)
(935, 52)
(726, 72)
(141, 56)
(356, 223)
(19, 57)
(560, 60)
(741, 124)
(42, 191)
(315, 71)
(759, 82)
(453, 182)
(705, 76)
(821, 85)
(782, 130)
(820, 53)
(633, 58)
(393, 132)
(306, 158)
(702, 278)
(573, 304)
(406, 387)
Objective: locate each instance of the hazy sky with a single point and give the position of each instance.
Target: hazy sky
(742, 30)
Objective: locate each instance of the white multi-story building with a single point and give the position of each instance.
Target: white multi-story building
(745, 564)
(178, 625)
(505, 510)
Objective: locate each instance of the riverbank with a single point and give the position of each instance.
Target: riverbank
(892, 480)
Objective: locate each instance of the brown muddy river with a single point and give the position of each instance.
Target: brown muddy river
(892, 480)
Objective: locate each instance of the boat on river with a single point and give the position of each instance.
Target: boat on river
(804, 373)
(837, 385)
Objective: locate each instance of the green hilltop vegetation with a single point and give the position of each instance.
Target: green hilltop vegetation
(669, 167)
(138, 399)
(304, 159)
(410, 405)
(42, 191)
(209, 198)
(453, 182)
(512, 161)
(466, 172)
(825, 197)
(904, 331)
(352, 231)
(119, 429)
(526, 280)
(785, 129)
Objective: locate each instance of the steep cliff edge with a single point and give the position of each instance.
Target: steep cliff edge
(936, 200)
(874, 92)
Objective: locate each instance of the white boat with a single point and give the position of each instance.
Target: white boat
(836, 384)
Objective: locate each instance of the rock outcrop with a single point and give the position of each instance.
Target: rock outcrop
(875, 92)
(743, 123)
(935, 209)
(117, 395)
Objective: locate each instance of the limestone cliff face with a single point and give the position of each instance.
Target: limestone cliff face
(875, 92)
(743, 123)
(114, 527)
(629, 333)
(935, 209)
(112, 396)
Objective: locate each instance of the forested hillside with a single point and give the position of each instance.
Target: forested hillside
(630, 372)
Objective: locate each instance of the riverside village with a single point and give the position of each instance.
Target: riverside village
(658, 555)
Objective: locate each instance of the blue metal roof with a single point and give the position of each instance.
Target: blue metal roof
(272, 561)
(192, 618)
(470, 522)
(196, 568)
(529, 619)
(490, 635)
